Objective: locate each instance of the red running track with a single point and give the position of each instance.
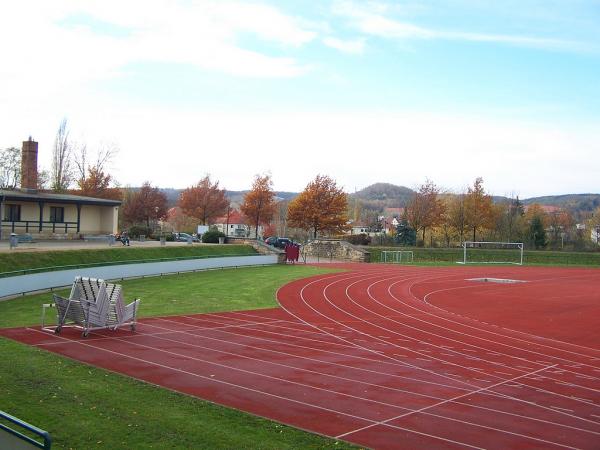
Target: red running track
(387, 357)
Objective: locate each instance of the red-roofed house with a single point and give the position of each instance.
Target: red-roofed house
(235, 225)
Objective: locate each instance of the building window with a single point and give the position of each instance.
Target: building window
(12, 213)
(57, 214)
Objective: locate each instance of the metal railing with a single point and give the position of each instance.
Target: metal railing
(15, 438)
(34, 226)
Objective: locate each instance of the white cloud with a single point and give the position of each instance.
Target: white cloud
(371, 18)
(356, 46)
(202, 33)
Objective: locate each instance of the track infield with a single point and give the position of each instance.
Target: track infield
(387, 356)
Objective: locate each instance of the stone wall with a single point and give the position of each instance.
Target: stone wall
(259, 246)
(335, 249)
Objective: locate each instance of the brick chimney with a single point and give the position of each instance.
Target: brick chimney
(29, 173)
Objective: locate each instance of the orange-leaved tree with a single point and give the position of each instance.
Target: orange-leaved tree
(97, 184)
(144, 205)
(321, 208)
(204, 201)
(425, 208)
(259, 202)
(478, 207)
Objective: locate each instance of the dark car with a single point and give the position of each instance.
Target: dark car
(184, 237)
(271, 240)
(282, 242)
(278, 242)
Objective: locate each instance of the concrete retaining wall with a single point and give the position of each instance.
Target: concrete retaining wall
(12, 286)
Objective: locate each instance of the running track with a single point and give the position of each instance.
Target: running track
(387, 357)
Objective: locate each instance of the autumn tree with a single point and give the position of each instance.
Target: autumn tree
(594, 225)
(61, 172)
(321, 208)
(560, 223)
(445, 225)
(425, 208)
(93, 179)
(144, 205)
(456, 215)
(98, 184)
(204, 201)
(259, 203)
(478, 207)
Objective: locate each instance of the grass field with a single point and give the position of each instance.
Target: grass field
(84, 407)
(12, 261)
(440, 256)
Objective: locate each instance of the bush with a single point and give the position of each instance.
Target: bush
(358, 239)
(212, 237)
(136, 230)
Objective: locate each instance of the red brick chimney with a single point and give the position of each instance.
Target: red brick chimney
(29, 173)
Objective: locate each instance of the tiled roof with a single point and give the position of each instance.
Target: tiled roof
(23, 195)
(235, 217)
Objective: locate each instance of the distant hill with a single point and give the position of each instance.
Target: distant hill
(235, 197)
(571, 202)
(386, 193)
(380, 195)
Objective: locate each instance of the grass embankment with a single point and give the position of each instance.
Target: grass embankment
(118, 254)
(84, 407)
(447, 256)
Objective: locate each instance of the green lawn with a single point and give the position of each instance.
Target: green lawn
(11, 261)
(449, 256)
(84, 407)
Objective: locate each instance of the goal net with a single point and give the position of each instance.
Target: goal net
(492, 253)
(397, 256)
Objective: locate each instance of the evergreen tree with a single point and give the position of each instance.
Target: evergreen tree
(405, 234)
(537, 233)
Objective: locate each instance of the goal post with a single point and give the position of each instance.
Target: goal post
(492, 253)
(396, 256)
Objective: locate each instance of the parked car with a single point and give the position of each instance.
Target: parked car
(281, 242)
(184, 237)
(271, 240)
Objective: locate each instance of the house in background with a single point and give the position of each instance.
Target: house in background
(234, 225)
(50, 215)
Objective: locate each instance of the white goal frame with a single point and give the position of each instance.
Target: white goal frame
(474, 244)
(396, 256)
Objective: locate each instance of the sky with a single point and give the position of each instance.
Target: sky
(362, 91)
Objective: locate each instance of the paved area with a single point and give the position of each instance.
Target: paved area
(80, 244)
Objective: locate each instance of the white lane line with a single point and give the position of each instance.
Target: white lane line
(324, 294)
(187, 343)
(420, 330)
(379, 280)
(293, 336)
(287, 381)
(442, 403)
(562, 409)
(533, 339)
(503, 396)
(483, 330)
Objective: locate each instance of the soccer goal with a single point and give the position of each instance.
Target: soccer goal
(397, 256)
(492, 253)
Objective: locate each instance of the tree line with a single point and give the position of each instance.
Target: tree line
(445, 219)
(432, 216)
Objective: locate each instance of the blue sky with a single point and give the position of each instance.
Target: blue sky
(362, 91)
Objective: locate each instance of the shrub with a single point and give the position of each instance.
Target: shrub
(212, 237)
(136, 230)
